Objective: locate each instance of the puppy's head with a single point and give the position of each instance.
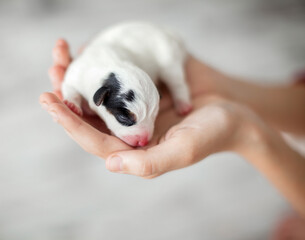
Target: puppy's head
(128, 101)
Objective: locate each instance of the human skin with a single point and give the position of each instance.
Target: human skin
(216, 124)
(280, 106)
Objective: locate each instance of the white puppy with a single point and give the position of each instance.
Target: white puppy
(117, 72)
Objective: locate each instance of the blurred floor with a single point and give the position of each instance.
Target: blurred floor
(51, 189)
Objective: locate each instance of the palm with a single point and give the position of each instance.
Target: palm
(96, 122)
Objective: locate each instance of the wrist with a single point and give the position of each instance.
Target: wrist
(252, 137)
(258, 142)
(267, 151)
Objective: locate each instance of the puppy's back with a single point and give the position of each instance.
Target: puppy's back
(145, 42)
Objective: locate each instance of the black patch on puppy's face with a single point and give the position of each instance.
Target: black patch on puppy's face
(129, 96)
(109, 96)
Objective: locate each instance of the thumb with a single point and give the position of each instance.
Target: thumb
(169, 155)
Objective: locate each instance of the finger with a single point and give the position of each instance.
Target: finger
(61, 53)
(89, 138)
(169, 155)
(81, 49)
(56, 74)
(58, 94)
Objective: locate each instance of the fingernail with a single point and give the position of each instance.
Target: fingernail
(44, 105)
(115, 164)
(54, 115)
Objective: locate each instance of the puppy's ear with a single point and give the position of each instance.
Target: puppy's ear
(100, 95)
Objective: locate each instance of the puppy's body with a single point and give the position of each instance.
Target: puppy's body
(117, 73)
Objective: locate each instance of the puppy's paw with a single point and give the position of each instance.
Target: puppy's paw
(183, 108)
(74, 108)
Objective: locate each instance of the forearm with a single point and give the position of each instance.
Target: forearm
(284, 167)
(282, 107)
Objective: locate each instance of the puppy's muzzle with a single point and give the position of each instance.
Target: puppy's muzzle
(140, 140)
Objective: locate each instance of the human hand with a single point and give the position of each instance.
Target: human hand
(176, 143)
(90, 132)
(214, 125)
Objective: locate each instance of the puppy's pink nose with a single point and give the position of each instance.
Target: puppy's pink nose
(136, 140)
(143, 141)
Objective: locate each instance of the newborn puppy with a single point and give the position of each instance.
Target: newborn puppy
(117, 72)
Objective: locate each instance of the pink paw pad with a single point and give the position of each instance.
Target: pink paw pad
(77, 110)
(183, 108)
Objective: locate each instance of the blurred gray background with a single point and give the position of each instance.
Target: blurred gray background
(51, 189)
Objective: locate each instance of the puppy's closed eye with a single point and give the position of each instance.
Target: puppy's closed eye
(125, 117)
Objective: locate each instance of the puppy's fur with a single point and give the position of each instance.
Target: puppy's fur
(117, 73)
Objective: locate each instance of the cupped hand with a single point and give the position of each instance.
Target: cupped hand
(176, 143)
